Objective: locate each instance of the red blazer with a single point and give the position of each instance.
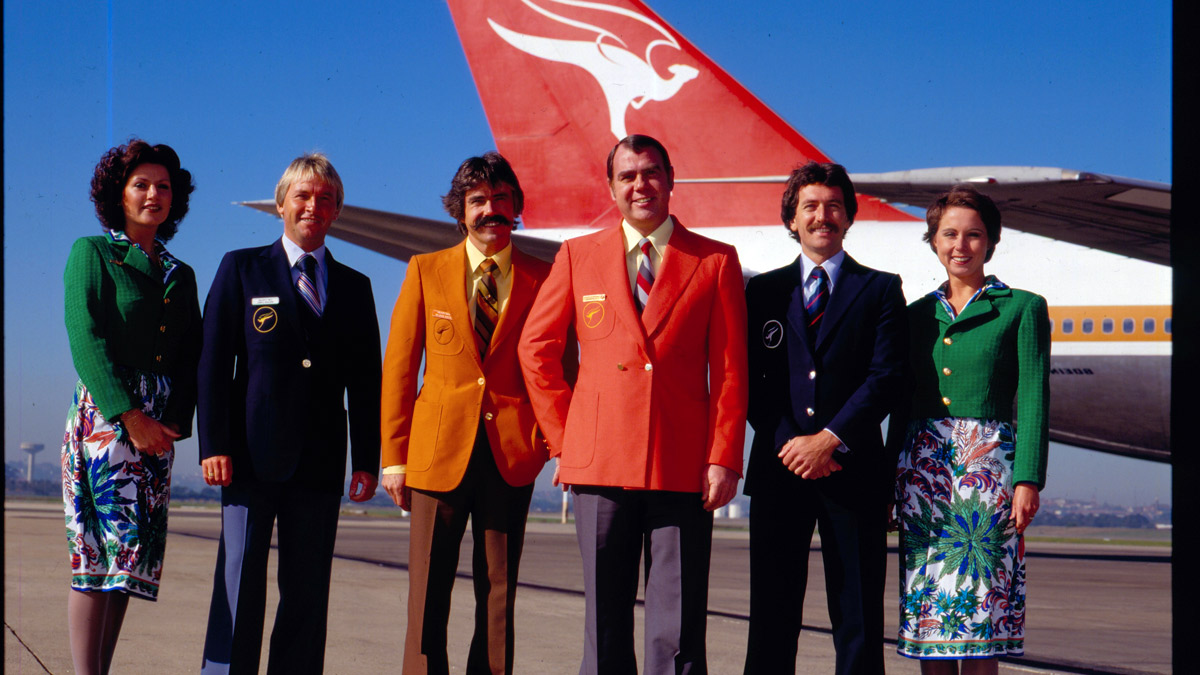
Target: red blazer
(433, 431)
(658, 397)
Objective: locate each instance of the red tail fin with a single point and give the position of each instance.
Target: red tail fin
(563, 80)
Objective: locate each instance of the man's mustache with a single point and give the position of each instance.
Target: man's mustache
(494, 220)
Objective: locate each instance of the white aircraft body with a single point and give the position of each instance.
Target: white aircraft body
(562, 80)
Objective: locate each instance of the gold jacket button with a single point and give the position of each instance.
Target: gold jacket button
(481, 381)
(948, 341)
(620, 366)
(307, 363)
(158, 357)
(162, 329)
(649, 367)
(811, 412)
(812, 374)
(946, 371)
(488, 416)
(946, 400)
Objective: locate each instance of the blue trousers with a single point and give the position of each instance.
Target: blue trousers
(307, 529)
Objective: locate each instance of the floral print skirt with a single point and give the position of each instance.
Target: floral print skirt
(115, 497)
(962, 563)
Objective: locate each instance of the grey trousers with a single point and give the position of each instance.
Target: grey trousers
(615, 526)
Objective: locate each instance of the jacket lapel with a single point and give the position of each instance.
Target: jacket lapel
(134, 258)
(333, 289)
(796, 317)
(450, 270)
(980, 307)
(520, 296)
(615, 277)
(852, 279)
(679, 263)
(279, 277)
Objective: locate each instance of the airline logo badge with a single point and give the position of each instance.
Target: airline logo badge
(772, 334)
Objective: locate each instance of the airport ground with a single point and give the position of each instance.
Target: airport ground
(1093, 607)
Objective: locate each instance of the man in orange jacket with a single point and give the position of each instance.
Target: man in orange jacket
(466, 444)
(650, 438)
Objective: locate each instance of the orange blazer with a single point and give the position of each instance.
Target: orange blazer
(432, 431)
(658, 397)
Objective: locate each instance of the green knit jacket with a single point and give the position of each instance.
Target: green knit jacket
(121, 318)
(996, 352)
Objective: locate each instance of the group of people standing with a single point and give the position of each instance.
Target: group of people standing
(633, 362)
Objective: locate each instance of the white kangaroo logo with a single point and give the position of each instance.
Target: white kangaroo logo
(624, 77)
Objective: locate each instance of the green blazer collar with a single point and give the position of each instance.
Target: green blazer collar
(981, 306)
(128, 255)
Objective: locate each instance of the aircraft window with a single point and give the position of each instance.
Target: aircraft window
(1068, 326)
(1167, 326)
(1106, 325)
(1147, 325)
(1087, 325)
(1127, 326)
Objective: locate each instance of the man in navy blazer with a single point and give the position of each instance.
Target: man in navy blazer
(826, 351)
(289, 335)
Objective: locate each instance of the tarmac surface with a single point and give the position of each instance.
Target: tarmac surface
(1092, 609)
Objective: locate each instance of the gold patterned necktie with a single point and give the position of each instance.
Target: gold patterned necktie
(486, 305)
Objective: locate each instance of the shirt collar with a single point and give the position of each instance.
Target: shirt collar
(293, 251)
(940, 293)
(832, 266)
(503, 258)
(168, 261)
(658, 238)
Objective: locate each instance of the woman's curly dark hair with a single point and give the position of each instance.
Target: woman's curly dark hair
(108, 184)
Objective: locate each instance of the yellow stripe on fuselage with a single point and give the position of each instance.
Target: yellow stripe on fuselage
(1110, 323)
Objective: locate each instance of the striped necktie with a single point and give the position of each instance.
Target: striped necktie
(306, 284)
(486, 302)
(815, 307)
(645, 276)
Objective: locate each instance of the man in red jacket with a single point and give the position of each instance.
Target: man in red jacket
(650, 438)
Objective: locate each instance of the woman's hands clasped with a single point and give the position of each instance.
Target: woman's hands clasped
(147, 434)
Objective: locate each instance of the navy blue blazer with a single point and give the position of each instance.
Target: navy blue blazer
(274, 383)
(847, 381)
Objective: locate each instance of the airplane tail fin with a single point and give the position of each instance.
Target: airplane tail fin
(562, 80)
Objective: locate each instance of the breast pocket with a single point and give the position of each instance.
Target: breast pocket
(444, 338)
(263, 324)
(596, 320)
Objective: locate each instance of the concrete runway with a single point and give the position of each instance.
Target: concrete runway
(1092, 609)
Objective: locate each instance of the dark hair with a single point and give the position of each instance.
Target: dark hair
(492, 169)
(638, 143)
(812, 173)
(108, 184)
(966, 197)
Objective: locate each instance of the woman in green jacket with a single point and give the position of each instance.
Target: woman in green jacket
(969, 473)
(134, 325)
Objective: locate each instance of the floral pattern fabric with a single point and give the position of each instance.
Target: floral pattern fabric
(962, 563)
(115, 496)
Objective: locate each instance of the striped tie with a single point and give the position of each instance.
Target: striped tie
(486, 301)
(815, 307)
(306, 283)
(645, 277)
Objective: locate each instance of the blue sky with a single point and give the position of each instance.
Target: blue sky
(383, 88)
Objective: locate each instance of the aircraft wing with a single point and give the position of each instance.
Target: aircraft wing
(402, 237)
(1119, 215)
